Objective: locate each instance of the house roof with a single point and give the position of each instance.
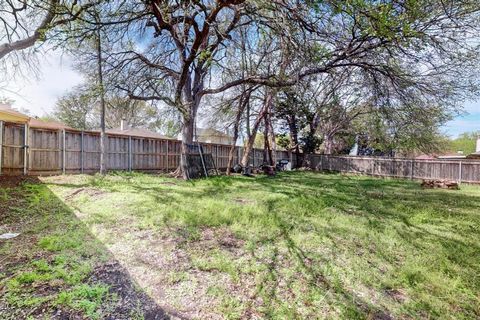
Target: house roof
(425, 157)
(42, 124)
(211, 132)
(12, 115)
(140, 132)
(451, 156)
(9, 114)
(475, 155)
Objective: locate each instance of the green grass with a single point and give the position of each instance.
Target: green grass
(84, 297)
(47, 265)
(299, 245)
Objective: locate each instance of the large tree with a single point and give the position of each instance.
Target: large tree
(174, 52)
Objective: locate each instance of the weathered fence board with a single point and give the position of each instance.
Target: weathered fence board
(13, 154)
(462, 171)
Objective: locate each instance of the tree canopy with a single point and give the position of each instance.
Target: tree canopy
(326, 70)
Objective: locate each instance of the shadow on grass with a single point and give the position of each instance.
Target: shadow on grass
(419, 219)
(56, 268)
(352, 305)
(385, 203)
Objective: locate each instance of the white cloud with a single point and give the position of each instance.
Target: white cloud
(56, 76)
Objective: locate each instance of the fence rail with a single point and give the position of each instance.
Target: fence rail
(462, 171)
(37, 151)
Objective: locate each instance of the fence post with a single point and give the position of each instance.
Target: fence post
(129, 160)
(25, 149)
(412, 167)
(64, 151)
(1, 145)
(81, 151)
(168, 164)
(460, 172)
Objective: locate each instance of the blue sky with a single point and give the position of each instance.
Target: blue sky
(57, 77)
(470, 121)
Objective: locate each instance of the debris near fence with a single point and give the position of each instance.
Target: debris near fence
(303, 169)
(440, 184)
(268, 170)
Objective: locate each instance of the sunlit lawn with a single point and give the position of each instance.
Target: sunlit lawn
(299, 245)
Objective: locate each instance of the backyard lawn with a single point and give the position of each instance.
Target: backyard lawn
(301, 245)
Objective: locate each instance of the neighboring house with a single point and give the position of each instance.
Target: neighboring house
(210, 135)
(425, 157)
(44, 124)
(124, 129)
(7, 114)
(444, 156)
(452, 156)
(476, 154)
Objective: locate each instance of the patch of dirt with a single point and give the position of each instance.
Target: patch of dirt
(397, 295)
(161, 263)
(130, 297)
(168, 183)
(130, 302)
(91, 192)
(243, 201)
(16, 181)
(6, 313)
(211, 238)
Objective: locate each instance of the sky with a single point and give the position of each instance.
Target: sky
(57, 76)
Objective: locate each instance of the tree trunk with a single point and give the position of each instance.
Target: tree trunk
(292, 125)
(251, 139)
(241, 107)
(231, 152)
(328, 143)
(187, 138)
(266, 144)
(102, 105)
(191, 100)
(267, 149)
(273, 143)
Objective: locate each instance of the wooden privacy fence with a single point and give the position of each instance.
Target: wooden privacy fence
(462, 171)
(36, 151)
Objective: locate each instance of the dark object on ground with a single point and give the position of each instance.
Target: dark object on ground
(268, 170)
(237, 168)
(441, 184)
(247, 171)
(282, 165)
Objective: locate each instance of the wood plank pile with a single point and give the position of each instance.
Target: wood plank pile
(440, 184)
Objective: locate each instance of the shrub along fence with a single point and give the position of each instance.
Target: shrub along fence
(36, 151)
(457, 170)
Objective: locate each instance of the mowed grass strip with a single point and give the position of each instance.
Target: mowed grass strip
(298, 245)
